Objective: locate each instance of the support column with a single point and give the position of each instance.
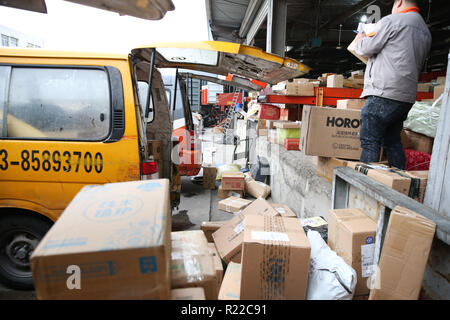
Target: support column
(276, 27)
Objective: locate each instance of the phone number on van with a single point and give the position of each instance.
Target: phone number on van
(56, 161)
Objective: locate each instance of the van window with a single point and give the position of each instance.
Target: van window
(58, 103)
(142, 92)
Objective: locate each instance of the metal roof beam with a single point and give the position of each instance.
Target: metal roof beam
(250, 13)
(257, 22)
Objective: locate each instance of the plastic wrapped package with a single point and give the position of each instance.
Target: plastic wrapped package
(233, 167)
(192, 263)
(330, 278)
(423, 118)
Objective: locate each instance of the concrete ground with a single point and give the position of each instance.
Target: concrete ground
(196, 205)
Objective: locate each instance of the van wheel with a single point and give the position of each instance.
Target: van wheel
(19, 236)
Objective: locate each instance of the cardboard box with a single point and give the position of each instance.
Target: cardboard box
(294, 88)
(209, 176)
(403, 260)
(218, 129)
(257, 189)
(228, 238)
(335, 81)
(209, 227)
(262, 132)
(188, 294)
(231, 284)
(351, 104)
(351, 48)
(233, 181)
(272, 136)
(289, 114)
(275, 259)
(409, 183)
(287, 130)
(441, 80)
(233, 204)
(192, 263)
(351, 234)
(438, 90)
(261, 124)
(291, 144)
(155, 148)
(269, 112)
(217, 263)
(325, 166)
(284, 210)
(416, 141)
(270, 124)
(128, 259)
(330, 132)
(223, 194)
(424, 87)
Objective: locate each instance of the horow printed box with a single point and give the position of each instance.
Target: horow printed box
(117, 236)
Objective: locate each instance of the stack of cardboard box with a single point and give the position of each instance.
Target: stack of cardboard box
(233, 184)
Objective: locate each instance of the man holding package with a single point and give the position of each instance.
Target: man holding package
(397, 50)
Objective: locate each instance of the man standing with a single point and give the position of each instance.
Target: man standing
(397, 50)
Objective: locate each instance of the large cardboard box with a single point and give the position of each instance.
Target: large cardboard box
(188, 294)
(209, 227)
(231, 284)
(335, 81)
(209, 176)
(351, 48)
(155, 148)
(416, 141)
(325, 166)
(269, 112)
(233, 181)
(294, 88)
(233, 204)
(351, 234)
(275, 259)
(284, 210)
(228, 238)
(192, 263)
(404, 256)
(118, 235)
(410, 183)
(357, 104)
(330, 132)
(438, 90)
(223, 194)
(217, 264)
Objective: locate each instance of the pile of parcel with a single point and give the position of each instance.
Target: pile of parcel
(114, 241)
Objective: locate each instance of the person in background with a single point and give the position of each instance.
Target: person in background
(397, 50)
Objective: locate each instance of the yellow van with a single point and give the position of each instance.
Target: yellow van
(70, 119)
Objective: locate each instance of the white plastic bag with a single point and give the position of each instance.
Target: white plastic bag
(330, 278)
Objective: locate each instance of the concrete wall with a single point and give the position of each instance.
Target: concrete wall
(294, 181)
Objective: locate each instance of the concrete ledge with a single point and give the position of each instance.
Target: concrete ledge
(294, 181)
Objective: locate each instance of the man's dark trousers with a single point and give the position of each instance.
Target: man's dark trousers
(381, 125)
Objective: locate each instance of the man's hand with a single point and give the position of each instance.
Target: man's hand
(360, 35)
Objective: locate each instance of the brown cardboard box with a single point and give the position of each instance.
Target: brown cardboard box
(217, 264)
(325, 166)
(228, 238)
(231, 284)
(284, 210)
(155, 148)
(257, 189)
(406, 182)
(351, 48)
(404, 257)
(438, 90)
(351, 234)
(223, 194)
(351, 104)
(192, 264)
(424, 87)
(275, 259)
(330, 132)
(270, 124)
(209, 227)
(128, 259)
(233, 204)
(188, 294)
(441, 80)
(416, 141)
(209, 176)
(335, 81)
(233, 181)
(294, 88)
